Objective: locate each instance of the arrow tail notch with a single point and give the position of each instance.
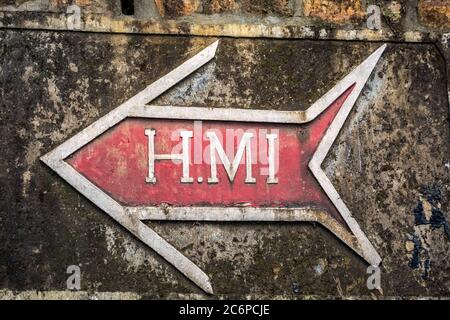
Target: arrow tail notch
(358, 77)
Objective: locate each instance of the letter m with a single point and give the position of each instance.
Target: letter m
(231, 168)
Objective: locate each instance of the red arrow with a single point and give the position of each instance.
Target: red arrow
(121, 163)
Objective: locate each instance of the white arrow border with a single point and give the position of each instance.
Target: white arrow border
(131, 217)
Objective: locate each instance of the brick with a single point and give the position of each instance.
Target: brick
(435, 14)
(177, 8)
(340, 11)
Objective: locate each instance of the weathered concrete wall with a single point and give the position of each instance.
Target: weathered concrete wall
(390, 163)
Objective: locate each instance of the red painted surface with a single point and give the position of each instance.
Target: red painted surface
(117, 162)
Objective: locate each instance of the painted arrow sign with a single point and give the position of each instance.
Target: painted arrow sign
(143, 162)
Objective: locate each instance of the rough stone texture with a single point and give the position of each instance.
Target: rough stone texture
(265, 7)
(219, 6)
(334, 20)
(393, 10)
(334, 11)
(435, 14)
(93, 6)
(180, 8)
(176, 8)
(390, 164)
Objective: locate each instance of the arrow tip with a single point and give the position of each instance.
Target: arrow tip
(201, 279)
(214, 46)
(45, 158)
(377, 53)
(211, 49)
(382, 48)
(208, 287)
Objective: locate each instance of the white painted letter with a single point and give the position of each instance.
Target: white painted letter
(184, 156)
(271, 179)
(231, 168)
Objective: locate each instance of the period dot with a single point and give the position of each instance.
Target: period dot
(200, 179)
